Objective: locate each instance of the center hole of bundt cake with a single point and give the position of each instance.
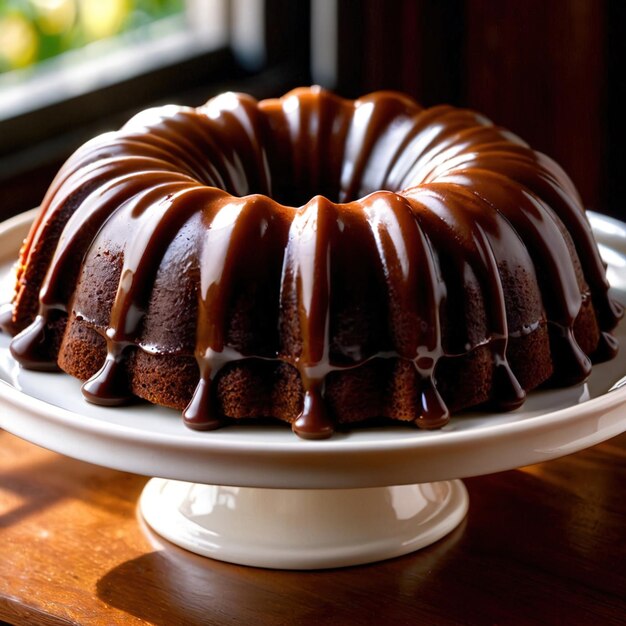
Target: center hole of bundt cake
(297, 192)
(294, 180)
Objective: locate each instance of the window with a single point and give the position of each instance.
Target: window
(99, 48)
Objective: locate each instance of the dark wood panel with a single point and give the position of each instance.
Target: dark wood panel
(614, 117)
(536, 67)
(412, 46)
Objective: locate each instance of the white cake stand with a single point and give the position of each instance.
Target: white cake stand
(260, 496)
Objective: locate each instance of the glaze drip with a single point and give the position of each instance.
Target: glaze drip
(432, 204)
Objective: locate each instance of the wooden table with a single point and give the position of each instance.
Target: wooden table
(545, 544)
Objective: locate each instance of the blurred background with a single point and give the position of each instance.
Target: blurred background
(553, 71)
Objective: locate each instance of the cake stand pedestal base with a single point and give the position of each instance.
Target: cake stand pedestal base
(302, 529)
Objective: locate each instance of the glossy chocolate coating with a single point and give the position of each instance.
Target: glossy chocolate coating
(303, 181)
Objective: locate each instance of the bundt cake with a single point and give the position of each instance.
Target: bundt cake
(312, 259)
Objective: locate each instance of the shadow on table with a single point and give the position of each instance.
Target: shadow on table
(172, 586)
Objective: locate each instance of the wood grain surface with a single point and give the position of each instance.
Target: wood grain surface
(541, 545)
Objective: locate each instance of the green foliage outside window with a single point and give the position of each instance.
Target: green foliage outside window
(34, 30)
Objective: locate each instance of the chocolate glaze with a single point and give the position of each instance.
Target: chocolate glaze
(7, 323)
(421, 193)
